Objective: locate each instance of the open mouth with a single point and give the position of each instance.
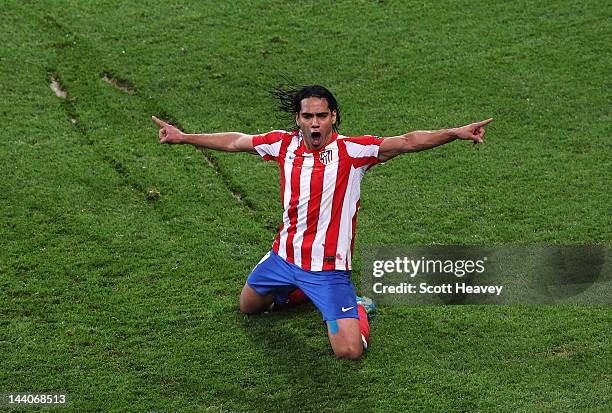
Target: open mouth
(316, 138)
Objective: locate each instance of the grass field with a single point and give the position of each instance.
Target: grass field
(121, 260)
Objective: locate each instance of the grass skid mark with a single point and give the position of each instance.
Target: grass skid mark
(236, 193)
(61, 92)
(57, 87)
(118, 83)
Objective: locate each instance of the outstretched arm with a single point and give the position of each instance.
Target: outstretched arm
(224, 141)
(421, 140)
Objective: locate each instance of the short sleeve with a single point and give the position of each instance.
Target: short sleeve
(363, 150)
(268, 145)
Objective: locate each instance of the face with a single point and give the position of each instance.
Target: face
(316, 122)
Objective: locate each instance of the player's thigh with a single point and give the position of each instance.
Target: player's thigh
(252, 302)
(345, 337)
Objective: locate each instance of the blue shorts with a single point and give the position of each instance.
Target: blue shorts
(332, 292)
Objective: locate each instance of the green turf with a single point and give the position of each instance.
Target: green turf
(121, 260)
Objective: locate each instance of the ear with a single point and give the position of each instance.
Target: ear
(297, 116)
(333, 116)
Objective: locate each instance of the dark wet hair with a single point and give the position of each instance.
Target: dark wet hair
(290, 98)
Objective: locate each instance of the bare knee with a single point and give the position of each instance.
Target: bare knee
(253, 303)
(352, 352)
(248, 307)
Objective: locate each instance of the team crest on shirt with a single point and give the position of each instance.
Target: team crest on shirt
(326, 157)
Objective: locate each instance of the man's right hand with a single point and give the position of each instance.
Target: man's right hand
(474, 131)
(167, 133)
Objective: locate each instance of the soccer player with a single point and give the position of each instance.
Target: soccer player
(321, 173)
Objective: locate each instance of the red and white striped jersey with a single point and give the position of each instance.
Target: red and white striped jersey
(320, 194)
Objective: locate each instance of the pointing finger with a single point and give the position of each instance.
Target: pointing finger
(484, 122)
(161, 123)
